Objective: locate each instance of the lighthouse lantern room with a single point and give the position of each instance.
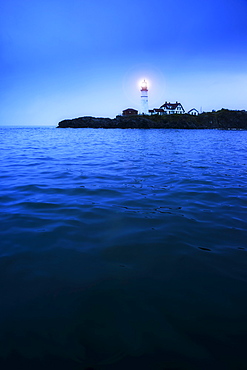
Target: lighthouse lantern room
(144, 98)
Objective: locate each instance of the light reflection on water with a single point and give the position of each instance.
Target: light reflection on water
(123, 248)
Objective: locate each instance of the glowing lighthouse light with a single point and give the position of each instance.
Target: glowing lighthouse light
(144, 97)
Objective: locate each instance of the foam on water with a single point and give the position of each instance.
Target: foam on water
(123, 248)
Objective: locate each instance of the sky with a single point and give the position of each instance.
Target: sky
(68, 58)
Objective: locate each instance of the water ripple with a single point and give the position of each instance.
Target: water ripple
(122, 247)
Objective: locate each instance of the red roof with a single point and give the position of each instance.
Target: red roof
(129, 111)
(158, 110)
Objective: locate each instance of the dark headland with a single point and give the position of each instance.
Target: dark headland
(223, 119)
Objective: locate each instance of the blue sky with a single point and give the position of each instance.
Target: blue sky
(68, 58)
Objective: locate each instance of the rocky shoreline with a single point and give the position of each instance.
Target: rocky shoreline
(223, 119)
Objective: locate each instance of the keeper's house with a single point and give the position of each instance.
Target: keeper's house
(168, 108)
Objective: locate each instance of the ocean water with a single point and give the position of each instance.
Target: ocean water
(123, 249)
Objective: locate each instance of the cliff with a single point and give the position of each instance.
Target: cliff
(222, 119)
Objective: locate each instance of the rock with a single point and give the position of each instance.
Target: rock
(222, 119)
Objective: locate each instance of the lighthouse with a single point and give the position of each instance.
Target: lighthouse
(144, 97)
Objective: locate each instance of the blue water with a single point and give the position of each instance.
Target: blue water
(123, 249)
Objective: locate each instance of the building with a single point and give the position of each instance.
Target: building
(156, 111)
(193, 112)
(144, 98)
(130, 112)
(168, 108)
(173, 108)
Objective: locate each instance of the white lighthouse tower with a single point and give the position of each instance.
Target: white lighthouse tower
(144, 97)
